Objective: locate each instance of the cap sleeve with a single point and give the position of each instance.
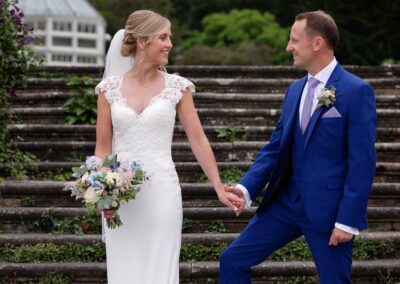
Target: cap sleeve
(180, 83)
(108, 86)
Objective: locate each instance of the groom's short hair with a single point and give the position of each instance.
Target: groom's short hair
(322, 24)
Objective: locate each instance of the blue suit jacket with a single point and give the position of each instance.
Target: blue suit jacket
(338, 159)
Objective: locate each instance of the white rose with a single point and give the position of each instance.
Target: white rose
(91, 195)
(85, 177)
(111, 177)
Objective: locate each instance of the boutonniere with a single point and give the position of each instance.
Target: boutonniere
(327, 97)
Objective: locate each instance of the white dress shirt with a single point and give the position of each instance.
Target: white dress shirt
(322, 76)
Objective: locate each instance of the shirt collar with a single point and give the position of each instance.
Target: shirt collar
(325, 73)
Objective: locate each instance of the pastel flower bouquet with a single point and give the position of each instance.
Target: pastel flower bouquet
(106, 184)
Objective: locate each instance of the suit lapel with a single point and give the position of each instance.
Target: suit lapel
(292, 119)
(333, 80)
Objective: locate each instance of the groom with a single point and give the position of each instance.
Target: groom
(318, 166)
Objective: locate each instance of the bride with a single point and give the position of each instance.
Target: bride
(137, 105)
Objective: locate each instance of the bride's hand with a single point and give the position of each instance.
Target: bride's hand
(234, 192)
(230, 200)
(109, 213)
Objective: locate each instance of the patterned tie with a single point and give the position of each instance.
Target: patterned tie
(308, 102)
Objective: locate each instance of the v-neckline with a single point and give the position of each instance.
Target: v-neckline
(138, 115)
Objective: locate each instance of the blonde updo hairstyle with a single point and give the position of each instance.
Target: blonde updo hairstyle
(142, 24)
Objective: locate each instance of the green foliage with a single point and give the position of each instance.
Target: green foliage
(228, 176)
(197, 252)
(90, 223)
(14, 162)
(297, 280)
(367, 251)
(235, 54)
(231, 176)
(49, 278)
(187, 224)
(248, 27)
(15, 56)
(55, 175)
(217, 226)
(81, 108)
(75, 157)
(63, 176)
(50, 252)
(116, 12)
(232, 134)
(362, 40)
(28, 201)
(54, 278)
(297, 250)
(15, 61)
(190, 13)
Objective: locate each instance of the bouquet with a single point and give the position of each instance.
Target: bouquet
(106, 184)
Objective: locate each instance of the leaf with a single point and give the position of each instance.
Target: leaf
(80, 171)
(104, 202)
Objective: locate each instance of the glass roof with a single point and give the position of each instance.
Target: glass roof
(73, 8)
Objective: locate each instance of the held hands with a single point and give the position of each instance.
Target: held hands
(237, 193)
(339, 236)
(231, 197)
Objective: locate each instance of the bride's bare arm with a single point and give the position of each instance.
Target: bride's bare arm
(104, 137)
(201, 148)
(103, 128)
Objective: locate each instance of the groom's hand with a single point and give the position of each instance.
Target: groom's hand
(339, 236)
(229, 199)
(237, 193)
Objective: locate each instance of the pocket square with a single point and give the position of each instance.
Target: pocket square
(331, 113)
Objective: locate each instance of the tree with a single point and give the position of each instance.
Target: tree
(116, 12)
(368, 30)
(239, 28)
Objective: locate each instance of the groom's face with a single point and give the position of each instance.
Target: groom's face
(300, 45)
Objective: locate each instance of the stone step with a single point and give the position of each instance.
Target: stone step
(87, 132)
(36, 193)
(43, 98)
(22, 219)
(191, 171)
(208, 116)
(195, 238)
(192, 272)
(212, 84)
(181, 151)
(224, 71)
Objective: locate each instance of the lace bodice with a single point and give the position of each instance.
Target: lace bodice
(146, 136)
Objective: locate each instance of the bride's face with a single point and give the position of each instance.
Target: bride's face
(159, 47)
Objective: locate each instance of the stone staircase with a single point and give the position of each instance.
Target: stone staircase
(40, 224)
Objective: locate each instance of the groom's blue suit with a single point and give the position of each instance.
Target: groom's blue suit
(314, 179)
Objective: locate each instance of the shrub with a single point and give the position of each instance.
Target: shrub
(238, 37)
(15, 60)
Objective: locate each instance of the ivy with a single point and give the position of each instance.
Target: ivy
(232, 134)
(51, 252)
(15, 60)
(82, 107)
(89, 223)
(228, 176)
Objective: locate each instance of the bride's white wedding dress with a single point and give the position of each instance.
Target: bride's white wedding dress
(145, 249)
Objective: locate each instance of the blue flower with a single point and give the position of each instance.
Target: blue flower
(16, 14)
(93, 162)
(94, 180)
(137, 165)
(26, 40)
